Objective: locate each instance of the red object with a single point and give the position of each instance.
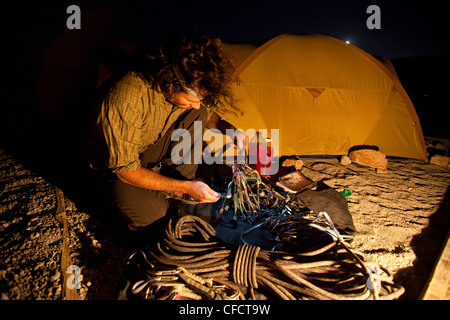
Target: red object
(264, 159)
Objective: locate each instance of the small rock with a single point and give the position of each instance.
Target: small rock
(96, 243)
(369, 157)
(74, 254)
(34, 236)
(440, 160)
(14, 293)
(298, 164)
(56, 276)
(293, 162)
(58, 290)
(345, 160)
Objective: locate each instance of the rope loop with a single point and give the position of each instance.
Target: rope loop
(244, 267)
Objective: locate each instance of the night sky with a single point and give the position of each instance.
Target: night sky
(50, 66)
(408, 28)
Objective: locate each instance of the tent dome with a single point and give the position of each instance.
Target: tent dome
(324, 96)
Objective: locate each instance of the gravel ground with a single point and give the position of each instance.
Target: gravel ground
(402, 218)
(31, 240)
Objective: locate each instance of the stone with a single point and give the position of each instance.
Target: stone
(369, 157)
(293, 162)
(56, 276)
(440, 160)
(382, 171)
(345, 160)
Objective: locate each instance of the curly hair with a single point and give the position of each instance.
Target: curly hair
(200, 61)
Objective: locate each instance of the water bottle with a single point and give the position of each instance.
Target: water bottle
(265, 155)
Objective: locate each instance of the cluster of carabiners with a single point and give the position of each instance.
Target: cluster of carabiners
(179, 284)
(252, 198)
(245, 201)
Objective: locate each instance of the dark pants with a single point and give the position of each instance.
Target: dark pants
(142, 207)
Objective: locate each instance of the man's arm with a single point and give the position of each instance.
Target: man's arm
(216, 122)
(148, 179)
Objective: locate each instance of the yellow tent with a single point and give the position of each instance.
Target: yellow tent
(324, 95)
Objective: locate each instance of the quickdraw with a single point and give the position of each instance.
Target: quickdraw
(178, 283)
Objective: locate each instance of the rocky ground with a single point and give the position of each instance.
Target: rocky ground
(402, 217)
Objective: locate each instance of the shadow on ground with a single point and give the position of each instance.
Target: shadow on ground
(427, 247)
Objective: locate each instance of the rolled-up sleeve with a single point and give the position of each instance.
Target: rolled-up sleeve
(122, 124)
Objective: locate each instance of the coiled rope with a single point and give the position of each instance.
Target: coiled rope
(244, 267)
(330, 271)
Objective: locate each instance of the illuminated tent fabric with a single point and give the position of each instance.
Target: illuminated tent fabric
(324, 95)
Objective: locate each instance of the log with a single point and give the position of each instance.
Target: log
(66, 260)
(438, 285)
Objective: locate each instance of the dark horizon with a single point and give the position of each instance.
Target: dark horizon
(406, 28)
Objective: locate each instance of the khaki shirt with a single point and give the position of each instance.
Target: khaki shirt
(133, 116)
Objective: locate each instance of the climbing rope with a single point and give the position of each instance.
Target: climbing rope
(311, 259)
(212, 269)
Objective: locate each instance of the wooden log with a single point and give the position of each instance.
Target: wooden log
(438, 285)
(66, 260)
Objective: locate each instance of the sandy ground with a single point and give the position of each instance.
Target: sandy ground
(402, 218)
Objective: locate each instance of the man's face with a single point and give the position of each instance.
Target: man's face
(185, 100)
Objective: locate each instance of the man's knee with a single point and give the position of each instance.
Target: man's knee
(139, 207)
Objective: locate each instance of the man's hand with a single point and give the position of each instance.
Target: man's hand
(147, 179)
(201, 192)
(238, 137)
(241, 140)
